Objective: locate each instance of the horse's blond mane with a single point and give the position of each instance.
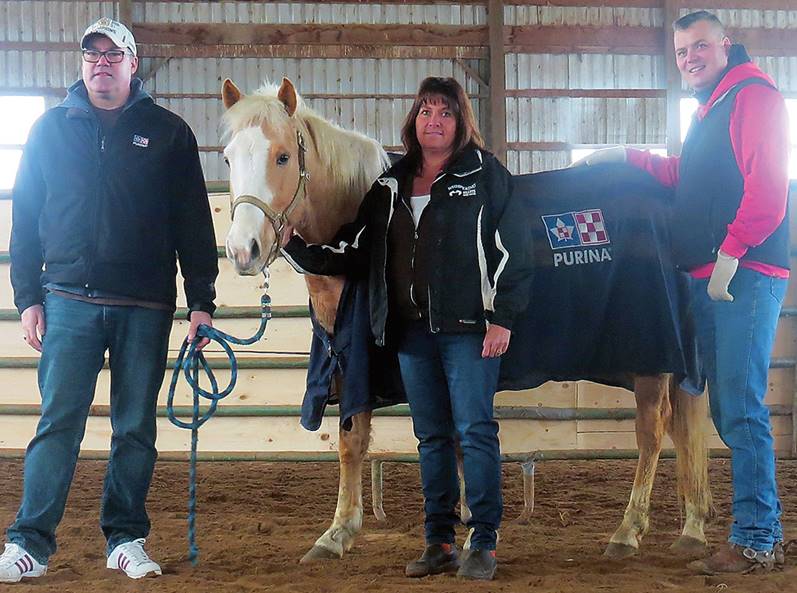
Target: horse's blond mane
(352, 161)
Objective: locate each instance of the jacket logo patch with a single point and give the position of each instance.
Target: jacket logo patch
(463, 191)
(140, 141)
(585, 228)
(576, 229)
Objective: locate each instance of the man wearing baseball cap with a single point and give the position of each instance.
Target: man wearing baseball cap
(113, 30)
(109, 194)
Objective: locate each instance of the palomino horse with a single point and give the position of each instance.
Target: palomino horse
(275, 141)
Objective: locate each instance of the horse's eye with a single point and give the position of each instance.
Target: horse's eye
(226, 161)
(283, 159)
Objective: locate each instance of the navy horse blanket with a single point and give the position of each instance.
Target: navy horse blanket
(606, 301)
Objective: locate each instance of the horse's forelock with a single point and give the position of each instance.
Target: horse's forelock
(259, 108)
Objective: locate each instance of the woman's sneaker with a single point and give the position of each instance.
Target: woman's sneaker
(16, 564)
(131, 558)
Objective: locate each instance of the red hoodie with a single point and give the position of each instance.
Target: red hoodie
(759, 137)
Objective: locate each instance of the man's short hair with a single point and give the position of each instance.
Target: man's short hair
(690, 19)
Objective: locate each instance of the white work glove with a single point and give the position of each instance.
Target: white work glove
(721, 277)
(615, 154)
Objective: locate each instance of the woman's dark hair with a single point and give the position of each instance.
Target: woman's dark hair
(453, 95)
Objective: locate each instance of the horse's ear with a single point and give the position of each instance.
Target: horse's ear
(230, 94)
(287, 94)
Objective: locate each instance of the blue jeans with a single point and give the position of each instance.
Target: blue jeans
(450, 389)
(735, 339)
(77, 336)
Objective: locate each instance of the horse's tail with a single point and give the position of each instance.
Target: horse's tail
(689, 433)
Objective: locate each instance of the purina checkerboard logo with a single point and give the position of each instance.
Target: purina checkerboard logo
(576, 229)
(140, 141)
(585, 228)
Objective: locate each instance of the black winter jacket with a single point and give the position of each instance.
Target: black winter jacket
(112, 212)
(481, 261)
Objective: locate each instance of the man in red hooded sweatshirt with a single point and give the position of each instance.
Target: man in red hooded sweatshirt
(731, 234)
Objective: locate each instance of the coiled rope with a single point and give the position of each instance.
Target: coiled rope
(188, 363)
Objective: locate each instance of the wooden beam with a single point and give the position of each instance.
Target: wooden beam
(388, 148)
(619, 3)
(125, 12)
(587, 39)
(309, 96)
(470, 71)
(33, 91)
(527, 93)
(559, 146)
(674, 92)
(635, 40)
(361, 2)
(588, 3)
(309, 51)
(406, 41)
(739, 4)
(526, 146)
(771, 42)
(588, 93)
(316, 34)
(495, 18)
(155, 65)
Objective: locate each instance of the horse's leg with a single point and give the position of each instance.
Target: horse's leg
(652, 412)
(348, 520)
(688, 432)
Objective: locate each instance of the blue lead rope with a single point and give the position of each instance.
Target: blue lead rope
(189, 362)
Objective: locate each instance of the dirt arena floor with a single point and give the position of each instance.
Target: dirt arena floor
(257, 519)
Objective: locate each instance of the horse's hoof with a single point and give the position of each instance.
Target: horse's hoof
(617, 551)
(317, 553)
(689, 547)
(379, 513)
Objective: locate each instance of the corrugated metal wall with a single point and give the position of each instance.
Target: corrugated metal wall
(580, 121)
(378, 118)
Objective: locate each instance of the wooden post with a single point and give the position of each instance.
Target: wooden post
(497, 139)
(794, 418)
(673, 80)
(125, 15)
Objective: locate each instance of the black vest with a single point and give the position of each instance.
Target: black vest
(408, 256)
(710, 190)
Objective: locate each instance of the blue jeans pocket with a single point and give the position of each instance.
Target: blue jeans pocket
(777, 288)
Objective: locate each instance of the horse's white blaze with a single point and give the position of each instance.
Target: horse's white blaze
(247, 154)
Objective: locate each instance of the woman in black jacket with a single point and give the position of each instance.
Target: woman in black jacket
(448, 261)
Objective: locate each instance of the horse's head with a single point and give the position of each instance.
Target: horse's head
(266, 156)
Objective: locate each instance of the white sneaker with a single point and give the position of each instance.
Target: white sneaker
(133, 560)
(16, 563)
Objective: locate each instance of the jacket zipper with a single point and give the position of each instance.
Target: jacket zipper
(412, 254)
(96, 206)
(429, 284)
(384, 264)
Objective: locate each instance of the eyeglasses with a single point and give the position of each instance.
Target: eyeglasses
(114, 56)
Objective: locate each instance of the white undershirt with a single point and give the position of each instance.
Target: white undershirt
(418, 203)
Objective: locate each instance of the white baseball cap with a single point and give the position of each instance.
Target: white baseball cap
(113, 30)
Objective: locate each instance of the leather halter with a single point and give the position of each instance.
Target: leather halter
(278, 219)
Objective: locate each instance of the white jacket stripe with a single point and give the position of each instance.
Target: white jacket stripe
(343, 245)
(502, 264)
(488, 293)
